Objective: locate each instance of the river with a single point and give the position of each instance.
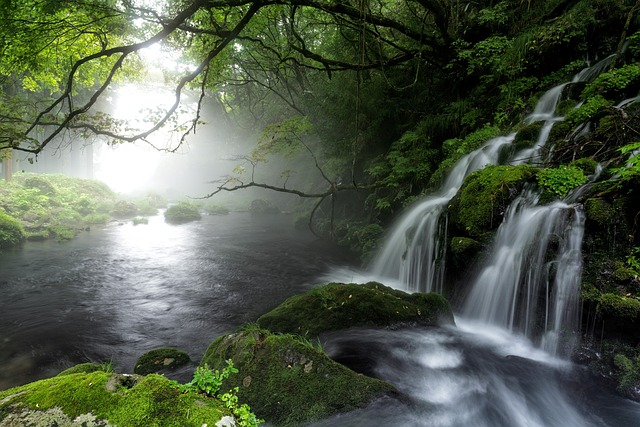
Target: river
(121, 290)
(118, 291)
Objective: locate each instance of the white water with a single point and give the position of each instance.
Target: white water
(415, 250)
(504, 364)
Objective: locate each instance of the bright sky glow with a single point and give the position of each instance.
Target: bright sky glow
(129, 167)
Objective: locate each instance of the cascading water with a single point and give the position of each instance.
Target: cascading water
(485, 372)
(518, 286)
(415, 251)
(522, 288)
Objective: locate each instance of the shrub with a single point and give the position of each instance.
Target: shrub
(560, 181)
(182, 212)
(11, 231)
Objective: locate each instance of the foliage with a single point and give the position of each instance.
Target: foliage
(631, 171)
(215, 209)
(182, 212)
(55, 205)
(630, 372)
(455, 149)
(11, 231)
(360, 238)
(124, 209)
(483, 198)
(633, 260)
(612, 84)
(207, 381)
(561, 180)
(140, 220)
(588, 110)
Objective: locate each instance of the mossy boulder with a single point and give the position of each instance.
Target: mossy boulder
(107, 399)
(482, 201)
(160, 360)
(464, 251)
(181, 213)
(11, 231)
(338, 306)
(287, 380)
(84, 368)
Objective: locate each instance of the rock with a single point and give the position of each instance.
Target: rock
(339, 306)
(100, 399)
(292, 382)
(159, 360)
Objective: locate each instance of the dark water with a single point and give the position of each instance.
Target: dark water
(117, 292)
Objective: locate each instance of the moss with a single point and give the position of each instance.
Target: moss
(287, 380)
(181, 213)
(153, 401)
(599, 211)
(464, 250)
(527, 136)
(338, 306)
(586, 164)
(159, 359)
(485, 195)
(620, 307)
(85, 368)
(11, 231)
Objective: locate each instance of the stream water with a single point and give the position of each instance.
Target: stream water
(119, 291)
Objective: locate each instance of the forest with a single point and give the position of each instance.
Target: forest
(359, 109)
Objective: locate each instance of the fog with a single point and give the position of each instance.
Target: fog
(161, 164)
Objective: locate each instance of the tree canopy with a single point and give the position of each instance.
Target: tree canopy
(378, 93)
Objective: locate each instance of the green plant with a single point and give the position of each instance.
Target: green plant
(588, 110)
(612, 83)
(208, 382)
(631, 169)
(630, 372)
(182, 212)
(242, 412)
(11, 231)
(633, 260)
(561, 180)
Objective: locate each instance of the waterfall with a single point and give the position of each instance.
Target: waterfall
(414, 253)
(531, 277)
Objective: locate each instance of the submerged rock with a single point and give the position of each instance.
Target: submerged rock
(287, 380)
(339, 306)
(159, 360)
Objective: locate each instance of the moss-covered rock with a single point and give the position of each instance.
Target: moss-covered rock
(84, 368)
(159, 360)
(287, 380)
(479, 206)
(599, 211)
(463, 251)
(108, 399)
(11, 231)
(181, 213)
(339, 306)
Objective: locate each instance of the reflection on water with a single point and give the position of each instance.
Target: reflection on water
(117, 292)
